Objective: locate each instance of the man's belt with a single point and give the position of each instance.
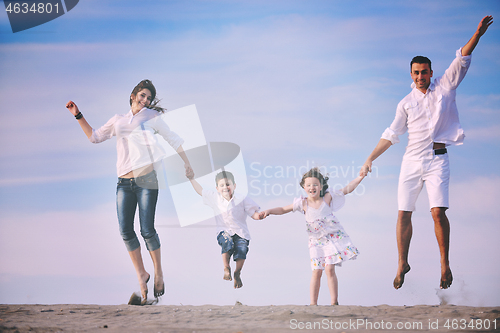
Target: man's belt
(440, 151)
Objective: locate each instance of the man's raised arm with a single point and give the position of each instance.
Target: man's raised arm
(481, 29)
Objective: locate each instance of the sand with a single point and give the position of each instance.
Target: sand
(242, 318)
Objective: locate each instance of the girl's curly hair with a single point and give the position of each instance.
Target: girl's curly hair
(315, 173)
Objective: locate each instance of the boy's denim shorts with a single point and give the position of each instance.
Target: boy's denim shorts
(234, 245)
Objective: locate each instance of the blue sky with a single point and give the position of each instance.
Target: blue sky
(294, 84)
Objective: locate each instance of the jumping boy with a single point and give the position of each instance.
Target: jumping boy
(230, 211)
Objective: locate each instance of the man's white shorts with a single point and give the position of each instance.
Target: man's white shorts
(434, 173)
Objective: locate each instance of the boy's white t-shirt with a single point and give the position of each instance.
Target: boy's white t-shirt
(231, 215)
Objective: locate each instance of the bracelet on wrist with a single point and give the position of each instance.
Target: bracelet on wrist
(79, 115)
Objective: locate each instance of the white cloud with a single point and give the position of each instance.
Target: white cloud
(71, 243)
(477, 198)
(489, 134)
(480, 105)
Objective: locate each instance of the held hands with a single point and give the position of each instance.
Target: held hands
(263, 214)
(367, 167)
(189, 171)
(484, 24)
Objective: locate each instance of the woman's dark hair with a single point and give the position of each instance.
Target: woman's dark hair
(147, 84)
(323, 181)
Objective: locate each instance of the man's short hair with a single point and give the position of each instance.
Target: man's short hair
(420, 60)
(224, 175)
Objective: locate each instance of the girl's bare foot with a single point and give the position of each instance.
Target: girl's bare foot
(400, 277)
(237, 280)
(227, 274)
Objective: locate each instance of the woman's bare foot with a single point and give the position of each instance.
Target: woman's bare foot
(446, 278)
(143, 284)
(227, 274)
(400, 277)
(159, 288)
(237, 280)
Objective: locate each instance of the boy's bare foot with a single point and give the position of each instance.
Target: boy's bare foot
(143, 284)
(446, 278)
(159, 288)
(400, 277)
(227, 274)
(237, 280)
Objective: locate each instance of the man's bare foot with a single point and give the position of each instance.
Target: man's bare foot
(400, 277)
(227, 274)
(159, 288)
(446, 278)
(143, 284)
(237, 280)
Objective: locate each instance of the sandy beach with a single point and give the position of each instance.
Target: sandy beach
(242, 318)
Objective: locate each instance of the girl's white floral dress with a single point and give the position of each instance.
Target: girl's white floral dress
(329, 244)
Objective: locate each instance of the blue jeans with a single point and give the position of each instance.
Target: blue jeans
(130, 193)
(234, 245)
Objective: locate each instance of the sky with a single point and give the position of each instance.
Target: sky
(294, 84)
